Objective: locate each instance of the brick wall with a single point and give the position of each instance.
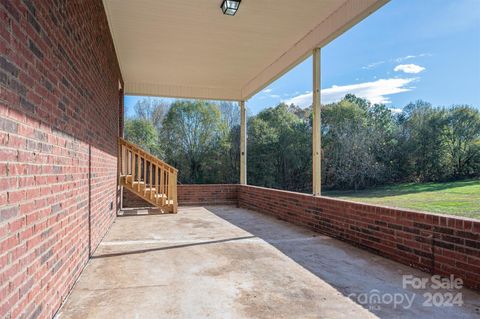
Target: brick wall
(59, 118)
(434, 243)
(200, 194)
(131, 200)
(207, 194)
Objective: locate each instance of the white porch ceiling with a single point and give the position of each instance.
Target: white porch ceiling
(189, 49)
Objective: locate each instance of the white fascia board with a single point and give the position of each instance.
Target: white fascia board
(349, 14)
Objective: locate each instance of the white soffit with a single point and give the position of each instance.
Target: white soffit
(190, 49)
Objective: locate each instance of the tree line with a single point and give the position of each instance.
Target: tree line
(363, 144)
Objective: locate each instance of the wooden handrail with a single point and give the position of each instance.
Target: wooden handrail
(146, 175)
(151, 157)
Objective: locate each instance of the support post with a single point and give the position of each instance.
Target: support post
(243, 144)
(316, 132)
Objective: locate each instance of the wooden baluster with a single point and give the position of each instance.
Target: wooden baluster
(176, 191)
(151, 181)
(157, 170)
(162, 186)
(144, 176)
(172, 184)
(139, 164)
(129, 162)
(126, 160)
(132, 166)
(169, 185)
(175, 200)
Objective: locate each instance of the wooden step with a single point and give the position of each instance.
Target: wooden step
(145, 194)
(137, 169)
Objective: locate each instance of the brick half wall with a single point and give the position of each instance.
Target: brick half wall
(204, 194)
(437, 244)
(132, 200)
(207, 194)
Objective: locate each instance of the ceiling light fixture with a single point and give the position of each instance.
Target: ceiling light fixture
(230, 7)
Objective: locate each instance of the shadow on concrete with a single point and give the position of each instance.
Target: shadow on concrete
(142, 251)
(348, 269)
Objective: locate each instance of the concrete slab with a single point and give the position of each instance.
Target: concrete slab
(227, 262)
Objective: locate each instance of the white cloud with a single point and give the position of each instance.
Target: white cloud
(376, 92)
(267, 91)
(403, 58)
(372, 65)
(274, 96)
(302, 100)
(408, 57)
(409, 68)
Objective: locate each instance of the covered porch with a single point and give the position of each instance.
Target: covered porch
(68, 251)
(271, 254)
(229, 262)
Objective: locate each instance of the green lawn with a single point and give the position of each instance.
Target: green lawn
(461, 198)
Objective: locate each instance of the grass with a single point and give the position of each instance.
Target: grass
(460, 198)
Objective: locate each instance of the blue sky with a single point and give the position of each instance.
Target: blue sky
(407, 50)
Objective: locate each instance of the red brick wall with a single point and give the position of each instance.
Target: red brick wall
(207, 194)
(58, 127)
(204, 194)
(437, 244)
(131, 200)
(201, 194)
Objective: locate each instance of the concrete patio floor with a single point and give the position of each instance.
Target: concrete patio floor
(228, 262)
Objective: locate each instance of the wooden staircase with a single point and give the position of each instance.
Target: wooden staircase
(147, 176)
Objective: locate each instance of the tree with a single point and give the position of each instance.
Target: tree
(279, 150)
(423, 145)
(142, 133)
(192, 131)
(350, 133)
(383, 140)
(230, 113)
(363, 145)
(230, 143)
(462, 139)
(151, 109)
